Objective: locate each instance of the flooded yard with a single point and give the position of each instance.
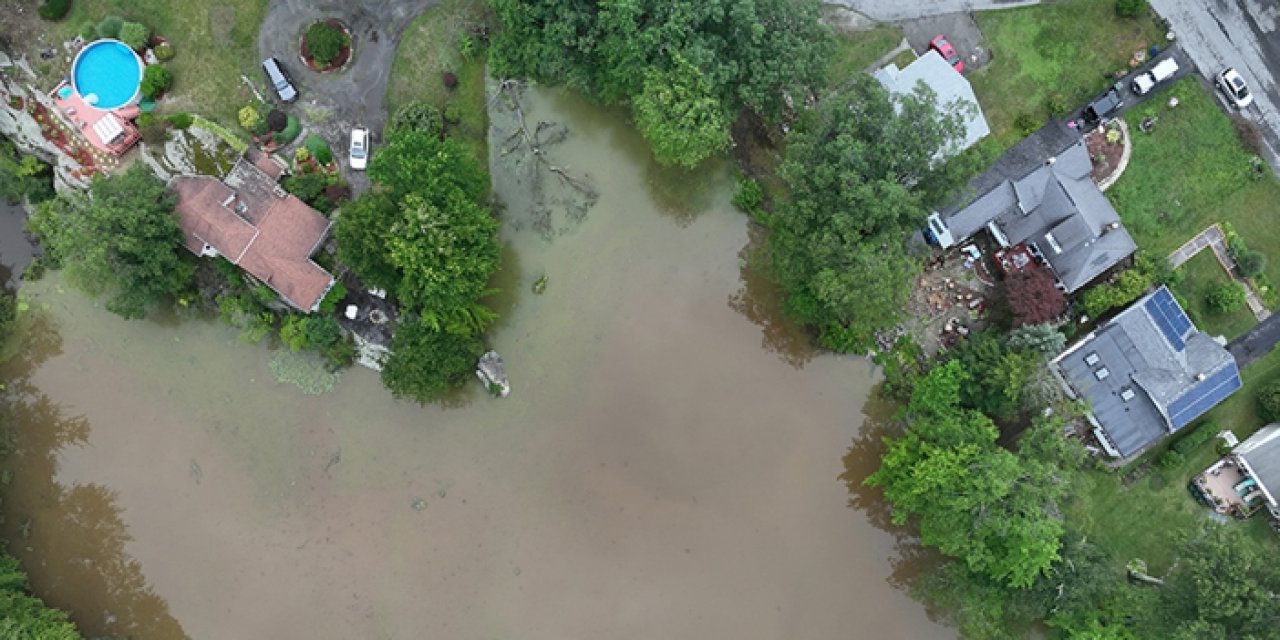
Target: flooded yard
(669, 465)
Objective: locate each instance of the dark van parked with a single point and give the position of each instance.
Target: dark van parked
(279, 80)
(1103, 106)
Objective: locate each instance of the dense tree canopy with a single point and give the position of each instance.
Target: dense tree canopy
(24, 616)
(424, 235)
(122, 240)
(861, 172)
(686, 66)
(992, 510)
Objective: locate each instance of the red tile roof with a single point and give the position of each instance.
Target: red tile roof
(276, 250)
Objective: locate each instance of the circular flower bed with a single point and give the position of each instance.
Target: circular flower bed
(326, 45)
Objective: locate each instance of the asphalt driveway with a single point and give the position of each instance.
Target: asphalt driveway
(331, 104)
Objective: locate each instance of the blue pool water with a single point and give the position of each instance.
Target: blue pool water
(108, 69)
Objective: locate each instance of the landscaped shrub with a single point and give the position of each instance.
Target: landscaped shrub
(135, 35)
(450, 80)
(452, 114)
(164, 52)
(291, 130)
(330, 302)
(1269, 401)
(1251, 263)
(319, 149)
(88, 30)
(180, 120)
(418, 116)
(1033, 297)
(54, 9)
(1191, 441)
(1170, 459)
(324, 43)
(1130, 8)
(251, 120)
(154, 132)
(1227, 298)
(110, 26)
(1026, 123)
(155, 80)
(276, 120)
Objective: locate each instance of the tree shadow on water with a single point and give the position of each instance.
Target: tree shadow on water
(70, 538)
(759, 300)
(911, 562)
(685, 194)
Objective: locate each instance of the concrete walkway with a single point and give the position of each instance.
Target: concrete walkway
(1214, 239)
(900, 10)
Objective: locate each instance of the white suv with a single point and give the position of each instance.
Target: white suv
(1231, 84)
(359, 154)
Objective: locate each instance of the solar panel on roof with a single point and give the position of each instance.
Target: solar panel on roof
(1170, 317)
(1204, 396)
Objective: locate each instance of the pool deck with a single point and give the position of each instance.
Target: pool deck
(86, 119)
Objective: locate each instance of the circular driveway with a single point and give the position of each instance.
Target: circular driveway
(331, 104)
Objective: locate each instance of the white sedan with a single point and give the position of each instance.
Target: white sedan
(1231, 84)
(359, 149)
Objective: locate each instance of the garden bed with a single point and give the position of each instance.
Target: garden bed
(344, 54)
(1106, 149)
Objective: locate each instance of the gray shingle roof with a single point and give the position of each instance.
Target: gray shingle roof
(1261, 451)
(1144, 366)
(946, 82)
(1058, 198)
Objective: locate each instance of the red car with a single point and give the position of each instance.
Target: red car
(947, 52)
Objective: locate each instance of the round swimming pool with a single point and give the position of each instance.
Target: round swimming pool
(107, 74)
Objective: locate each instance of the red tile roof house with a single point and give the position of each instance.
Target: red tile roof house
(250, 220)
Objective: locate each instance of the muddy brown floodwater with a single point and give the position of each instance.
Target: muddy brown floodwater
(668, 465)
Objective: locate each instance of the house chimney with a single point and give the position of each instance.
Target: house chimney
(1050, 161)
(1200, 377)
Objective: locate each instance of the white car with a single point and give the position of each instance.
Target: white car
(1231, 84)
(359, 149)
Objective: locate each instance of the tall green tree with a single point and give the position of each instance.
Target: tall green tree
(686, 66)
(122, 241)
(425, 235)
(862, 168)
(973, 500)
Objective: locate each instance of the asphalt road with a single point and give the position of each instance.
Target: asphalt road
(902, 10)
(1239, 33)
(331, 104)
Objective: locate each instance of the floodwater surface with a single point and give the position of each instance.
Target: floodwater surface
(669, 464)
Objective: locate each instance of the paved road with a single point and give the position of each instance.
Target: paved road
(1260, 340)
(353, 96)
(901, 10)
(1241, 34)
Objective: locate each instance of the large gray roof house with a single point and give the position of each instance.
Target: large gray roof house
(1056, 210)
(1147, 373)
(947, 84)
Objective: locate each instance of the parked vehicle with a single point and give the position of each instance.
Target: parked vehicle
(1231, 84)
(947, 52)
(1145, 82)
(359, 152)
(1104, 106)
(278, 78)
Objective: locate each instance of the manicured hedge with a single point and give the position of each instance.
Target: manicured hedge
(290, 132)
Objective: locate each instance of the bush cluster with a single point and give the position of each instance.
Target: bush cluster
(325, 42)
(1198, 436)
(749, 198)
(135, 34)
(110, 27)
(1228, 298)
(164, 52)
(319, 149)
(1269, 401)
(155, 80)
(418, 116)
(1130, 8)
(180, 120)
(54, 9)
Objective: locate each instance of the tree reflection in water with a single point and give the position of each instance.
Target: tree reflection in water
(70, 539)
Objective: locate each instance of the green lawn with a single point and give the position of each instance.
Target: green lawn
(1060, 47)
(857, 50)
(430, 47)
(1201, 275)
(1144, 518)
(215, 43)
(1192, 171)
